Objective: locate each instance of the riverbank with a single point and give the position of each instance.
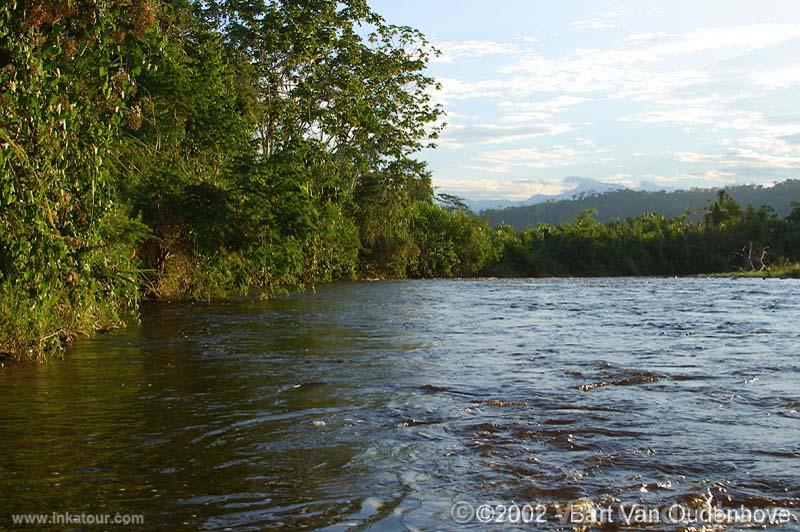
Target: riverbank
(791, 271)
(25, 347)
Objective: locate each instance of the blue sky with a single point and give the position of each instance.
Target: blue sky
(672, 93)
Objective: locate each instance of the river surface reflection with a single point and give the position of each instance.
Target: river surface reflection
(381, 404)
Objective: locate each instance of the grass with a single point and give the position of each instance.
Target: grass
(787, 271)
(33, 329)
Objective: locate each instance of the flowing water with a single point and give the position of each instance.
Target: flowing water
(383, 404)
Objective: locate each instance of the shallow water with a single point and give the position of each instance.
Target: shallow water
(382, 404)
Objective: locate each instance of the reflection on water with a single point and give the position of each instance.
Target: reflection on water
(382, 403)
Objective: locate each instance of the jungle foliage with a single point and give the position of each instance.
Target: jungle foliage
(191, 149)
(727, 239)
(186, 149)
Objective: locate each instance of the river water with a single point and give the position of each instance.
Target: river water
(383, 404)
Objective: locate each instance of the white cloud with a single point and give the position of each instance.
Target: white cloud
(774, 144)
(486, 188)
(688, 116)
(594, 24)
(614, 72)
(710, 178)
(703, 80)
(458, 135)
(620, 72)
(583, 73)
(620, 178)
(454, 89)
(735, 40)
(755, 159)
(506, 159)
(694, 157)
(454, 50)
(751, 153)
(716, 119)
(603, 22)
(777, 78)
(651, 37)
(515, 111)
(764, 147)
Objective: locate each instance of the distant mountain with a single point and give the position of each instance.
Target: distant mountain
(481, 205)
(625, 203)
(580, 186)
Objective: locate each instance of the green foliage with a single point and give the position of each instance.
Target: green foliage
(730, 240)
(451, 242)
(794, 216)
(190, 149)
(724, 211)
(452, 202)
(65, 242)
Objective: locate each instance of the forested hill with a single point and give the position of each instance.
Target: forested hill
(621, 204)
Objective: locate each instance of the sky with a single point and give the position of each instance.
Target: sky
(672, 94)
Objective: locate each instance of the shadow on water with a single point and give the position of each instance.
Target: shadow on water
(379, 404)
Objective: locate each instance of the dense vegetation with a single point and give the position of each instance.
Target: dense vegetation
(727, 239)
(189, 149)
(622, 204)
(186, 149)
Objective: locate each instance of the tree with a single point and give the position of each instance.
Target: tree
(724, 210)
(452, 202)
(794, 216)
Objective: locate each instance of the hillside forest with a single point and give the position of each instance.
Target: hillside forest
(625, 203)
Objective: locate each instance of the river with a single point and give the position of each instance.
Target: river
(382, 404)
